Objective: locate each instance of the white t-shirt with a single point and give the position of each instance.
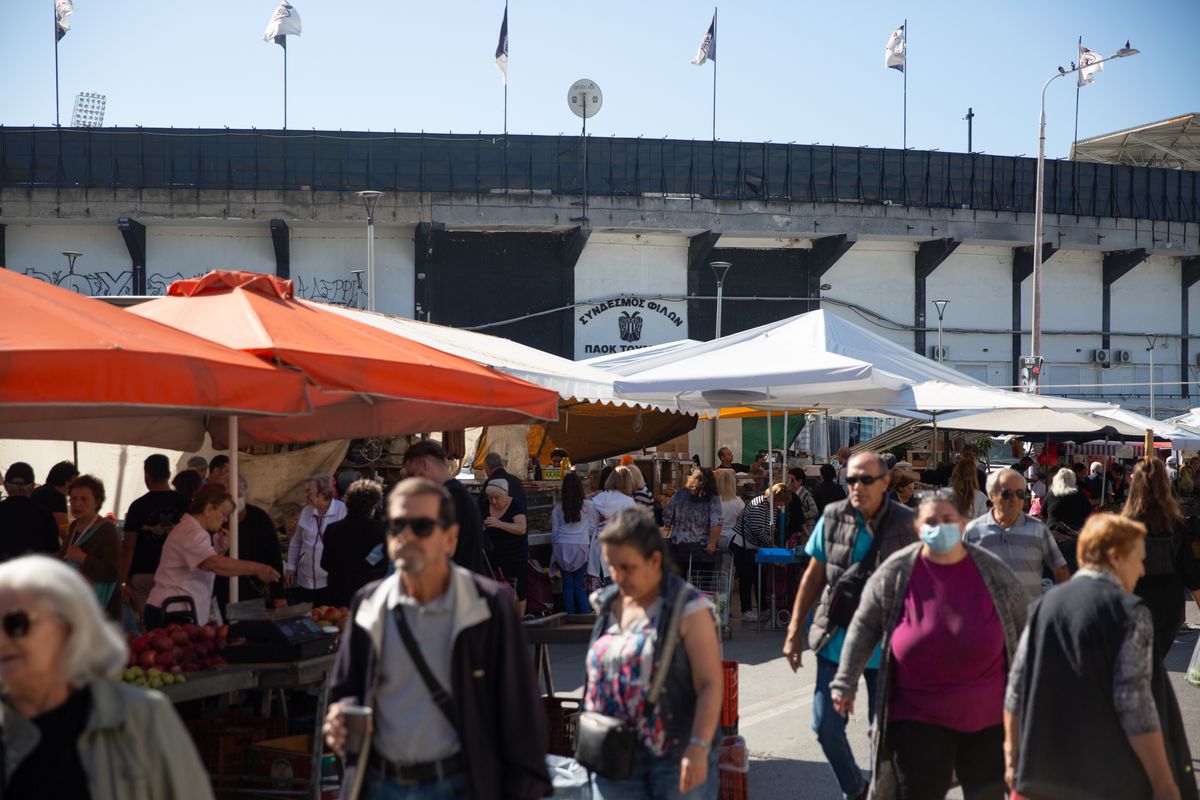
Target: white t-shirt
(308, 544)
(188, 545)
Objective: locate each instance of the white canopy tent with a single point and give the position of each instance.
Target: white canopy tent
(569, 378)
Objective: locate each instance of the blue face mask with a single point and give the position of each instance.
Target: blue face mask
(941, 538)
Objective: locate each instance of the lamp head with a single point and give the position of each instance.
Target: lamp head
(941, 307)
(370, 198)
(1125, 51)
(719, 269)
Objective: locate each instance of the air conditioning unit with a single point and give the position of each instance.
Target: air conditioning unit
(939, 353)
(1101, 356)
(1122, 356)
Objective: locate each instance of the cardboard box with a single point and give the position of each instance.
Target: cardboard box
(288, 760)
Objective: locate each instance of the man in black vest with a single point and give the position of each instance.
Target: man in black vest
(843, 537)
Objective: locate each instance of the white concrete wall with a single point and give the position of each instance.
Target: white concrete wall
(978, 283)
(103, 269)
(650, 266)
(878, 276)
(322, 258)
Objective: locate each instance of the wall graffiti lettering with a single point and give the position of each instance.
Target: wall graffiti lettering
(338, 291)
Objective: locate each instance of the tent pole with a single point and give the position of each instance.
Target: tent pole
(1104, 474)
(233, 518)
(828, 440)
(933, 457)
(770, 477)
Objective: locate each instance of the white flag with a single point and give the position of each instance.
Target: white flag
(893, 54)
(284, 22)
(62, 10)
(502, 49)
(1087, 65)
(708, 45)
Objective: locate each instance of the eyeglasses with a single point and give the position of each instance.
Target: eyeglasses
(16, 624)
(421, 526)
(865, 480)
(1009, 494)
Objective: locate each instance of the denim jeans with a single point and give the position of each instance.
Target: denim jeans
(452, 788)
(656, 778)
(574, 595)
(830, 728)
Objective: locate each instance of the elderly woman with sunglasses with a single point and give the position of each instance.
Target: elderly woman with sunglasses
(949, 616)
(1022, 542)
(71, 728)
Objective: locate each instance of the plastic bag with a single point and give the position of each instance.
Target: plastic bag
(1193, 671)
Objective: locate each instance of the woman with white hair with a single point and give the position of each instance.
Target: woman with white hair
(308, 581)
(1065, 504)
(504, 529)
(71, 729)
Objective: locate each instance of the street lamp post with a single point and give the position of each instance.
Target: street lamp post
(71, 256)
(1152, 340)
(940, 305)
(1039, 203)
(720, 268)
(370, 199)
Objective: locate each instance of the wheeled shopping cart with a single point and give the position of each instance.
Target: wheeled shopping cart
(712, 574)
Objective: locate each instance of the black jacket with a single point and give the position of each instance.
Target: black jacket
(349, 543)
(501, 723)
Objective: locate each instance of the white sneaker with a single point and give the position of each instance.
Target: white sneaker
(750, 616)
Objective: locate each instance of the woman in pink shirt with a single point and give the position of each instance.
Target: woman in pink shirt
(949, 615)
(191, 560)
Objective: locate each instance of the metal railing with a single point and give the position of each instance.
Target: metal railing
(680, 169)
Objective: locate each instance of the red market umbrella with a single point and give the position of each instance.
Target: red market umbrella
(363, 381)
(76, 368)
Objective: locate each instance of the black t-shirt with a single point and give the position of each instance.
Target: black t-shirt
(507, 548)
(53, 768)
(827, 492)
(26, 527)
(50, 499)
(151, 517)
(469, 553)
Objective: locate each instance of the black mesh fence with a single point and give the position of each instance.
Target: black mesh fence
(482, 164)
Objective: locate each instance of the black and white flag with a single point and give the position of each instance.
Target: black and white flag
(502, 49)
(893, 54)
(62, 10)
(284, 22)
(1087, 65)
(708, 45)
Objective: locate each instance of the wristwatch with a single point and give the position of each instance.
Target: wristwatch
(703, 745)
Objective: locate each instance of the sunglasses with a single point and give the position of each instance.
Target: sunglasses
(422, 527)
(865, 480)
(16, 624)
(1009, 494)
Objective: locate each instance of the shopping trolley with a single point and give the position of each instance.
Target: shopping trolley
(712, 574)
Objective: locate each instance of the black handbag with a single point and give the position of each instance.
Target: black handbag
(847, 592)
(606, 745)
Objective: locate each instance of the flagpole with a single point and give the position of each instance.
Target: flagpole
(57, 111)
(904, 135)
(1077, 87)
(506, 78)
(285, 83)
(714, 110)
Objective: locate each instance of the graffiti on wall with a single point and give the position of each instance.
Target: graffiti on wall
(338, 291)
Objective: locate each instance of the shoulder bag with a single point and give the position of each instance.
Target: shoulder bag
(606, 745)
(847, 592)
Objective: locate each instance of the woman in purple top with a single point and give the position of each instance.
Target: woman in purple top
(950, 615)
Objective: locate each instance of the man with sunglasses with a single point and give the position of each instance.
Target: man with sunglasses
(1022, 542)
(843, 537)
(438, 654)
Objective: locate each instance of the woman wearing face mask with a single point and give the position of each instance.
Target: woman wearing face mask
(949, 615)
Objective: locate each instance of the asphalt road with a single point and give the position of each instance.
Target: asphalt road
(775, 705)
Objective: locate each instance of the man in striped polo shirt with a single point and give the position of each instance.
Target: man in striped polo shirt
(1022, 542)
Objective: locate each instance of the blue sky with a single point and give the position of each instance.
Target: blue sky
(789, 71)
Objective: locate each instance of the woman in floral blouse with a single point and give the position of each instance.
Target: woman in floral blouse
(675, 755)
(694, 516)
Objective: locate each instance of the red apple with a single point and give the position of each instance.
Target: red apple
(223, 632)
(180, 638)
(139, 643)
(148, 658)
(162, 643)
(176, 669)
(218, 661)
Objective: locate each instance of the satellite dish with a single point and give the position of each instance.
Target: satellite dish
(585, 98)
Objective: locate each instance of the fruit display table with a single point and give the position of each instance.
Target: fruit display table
(211, 684)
